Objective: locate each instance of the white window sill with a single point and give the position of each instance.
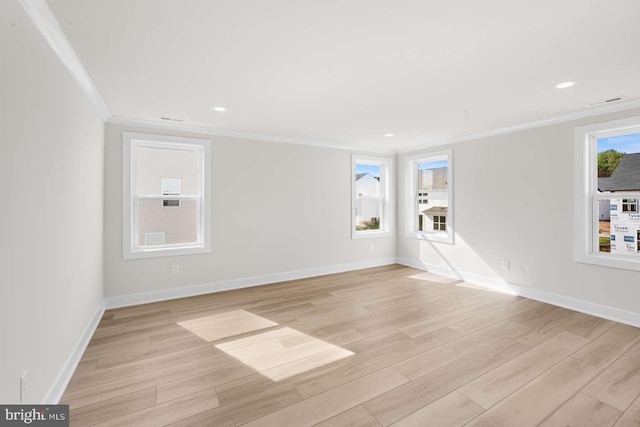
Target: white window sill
(370, 234)
(166, 252)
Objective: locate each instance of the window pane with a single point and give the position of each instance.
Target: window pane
(368, 180)
(618, 159)
(618, 229)
(432, 176)
(175, 171)
(178, 223)
(368, 213)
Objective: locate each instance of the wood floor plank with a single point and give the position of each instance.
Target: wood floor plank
(549, 325)
(371, 347)
(533, 403)
(168, 412)
(354, 417)
(433, 359)
(606, 348)
(192, 384)
(619, 384)
(113, 408)
(591, 327)
(583, 411)
(241, 411)
(497, 384)
(451, 410)
(408, 398)
(490, 317)
(319, 408)
(630, 417)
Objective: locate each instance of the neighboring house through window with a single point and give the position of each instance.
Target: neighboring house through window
(607, 193)
(166, 206)
(430, 196)
(371, 212)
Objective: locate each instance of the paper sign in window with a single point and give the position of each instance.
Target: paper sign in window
(171, 187)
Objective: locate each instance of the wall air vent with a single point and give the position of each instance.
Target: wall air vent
(606, 101)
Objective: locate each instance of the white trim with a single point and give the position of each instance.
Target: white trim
(591, 112)
(226, 285)
(58, 387)
(205, 130)
(598, 310)
(48, 25)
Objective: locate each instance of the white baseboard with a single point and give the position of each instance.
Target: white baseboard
(58, 387)
(598, 310)
(226, 285)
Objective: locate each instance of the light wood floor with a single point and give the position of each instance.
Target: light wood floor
(383, 346)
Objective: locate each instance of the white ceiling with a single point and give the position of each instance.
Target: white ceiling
(350, 71)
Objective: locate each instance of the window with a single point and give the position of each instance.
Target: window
(440, 223)
(371, 186)
(430, 196)
(166, 206)
(630, 205)
(607, 187)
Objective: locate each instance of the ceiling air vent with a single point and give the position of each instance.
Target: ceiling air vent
(606, 101)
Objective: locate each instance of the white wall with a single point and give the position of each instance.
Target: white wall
(513, 199)
(51, 179)
(277, 208)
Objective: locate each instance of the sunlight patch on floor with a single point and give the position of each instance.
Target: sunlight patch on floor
(283, 352)
(436, 278)
(224, 325)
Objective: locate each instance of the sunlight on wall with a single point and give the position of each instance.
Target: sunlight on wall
(458, 259)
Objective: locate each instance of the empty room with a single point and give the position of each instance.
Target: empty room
(320, 213)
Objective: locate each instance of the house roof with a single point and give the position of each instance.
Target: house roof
(626, 176)
(603, 183)
(362, 175)
(436, 210)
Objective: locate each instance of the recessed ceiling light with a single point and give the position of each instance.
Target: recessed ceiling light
(388, 135)
(219, 109)
(565, 85)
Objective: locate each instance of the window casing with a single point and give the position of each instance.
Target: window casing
(166, 196)
(371, 213)
(430, 196)
(607, 227)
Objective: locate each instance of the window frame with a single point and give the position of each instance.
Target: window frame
(413, 198)
(386, 211)
(586, 194)
(132, 140)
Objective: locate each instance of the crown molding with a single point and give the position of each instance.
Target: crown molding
(592, 112)
(205, 130)
(48, 25)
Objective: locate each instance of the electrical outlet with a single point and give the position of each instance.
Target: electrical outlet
(175, 269)
(23, 386)
(506, 264)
